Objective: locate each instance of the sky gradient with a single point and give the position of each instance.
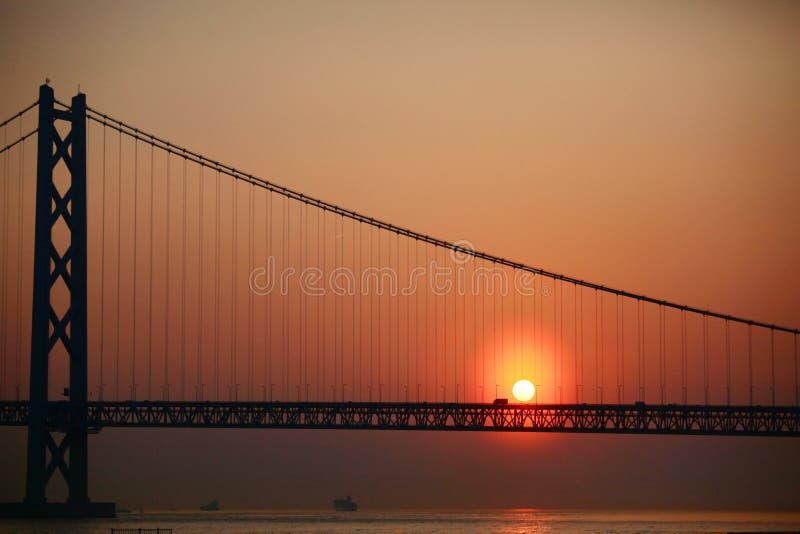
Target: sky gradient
(639, 145)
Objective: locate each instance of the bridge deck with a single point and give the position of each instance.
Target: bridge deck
(587, 418)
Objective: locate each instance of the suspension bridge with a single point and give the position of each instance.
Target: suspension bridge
(172, 290)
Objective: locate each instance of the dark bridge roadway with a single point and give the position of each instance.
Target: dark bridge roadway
(595, 418)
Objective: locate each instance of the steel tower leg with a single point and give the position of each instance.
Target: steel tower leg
(51, 267)
(65, 266)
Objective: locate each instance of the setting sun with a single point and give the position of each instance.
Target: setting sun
(523, 390)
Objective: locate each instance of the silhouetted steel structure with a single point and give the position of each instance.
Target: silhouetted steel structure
(61, 268)
(584, 418)
(54, 266)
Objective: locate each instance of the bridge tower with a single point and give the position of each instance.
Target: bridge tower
(67, 266)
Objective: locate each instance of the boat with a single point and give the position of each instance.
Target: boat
(345, 505)
(210, 507)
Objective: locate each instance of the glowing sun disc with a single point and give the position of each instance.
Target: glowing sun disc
(523, 390)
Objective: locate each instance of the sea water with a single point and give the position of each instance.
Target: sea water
(390, 521)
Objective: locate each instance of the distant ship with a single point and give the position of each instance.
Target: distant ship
(345, 505)
(210, 507)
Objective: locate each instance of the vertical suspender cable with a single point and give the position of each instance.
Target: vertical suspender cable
(417, 352)
(796, 373)
(135, 250)
(89, 221)
(640, 347)
(772, 364)
(444, 335)
(380, 322)
(662, 350)
(483, 339)
(324, 299)
(316, 301)
(622, 351)
(462, 293)
(19, 261)
(303, 295)
(560, 339)
(495, 339)
(268, 377)
(103, 266)
(201, 223)
(301, 331)
(408, 318)
(251, 310)
(427, 320)
(217, 231)
(363, 330)
(435, 333)
(341, 308)
(336, 329)
(540, 352)
(515, 347)
(644, 351)
(684, 364)
(596, 348)
(119, 263)
(183, 278)
(3, 300)
(538, 333)
(463, 335)
(286, 394)
(575, 338)
(750, 360)
(340, 296)
(502, 335)
(705, 358)
(418, 347)
(233, 386)
(445, 332)
(618, 353)
(470, 287)
(321, 323)
(320, 305)
(554, 346)
(150, 283)
(354, 350)
(168, 269)
(397, 315)
(727, 361)
(371, 318)
(520, 349)
(580, 341)
(534, 345)
(389, 322)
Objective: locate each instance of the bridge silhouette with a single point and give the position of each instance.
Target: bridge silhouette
(172, 290)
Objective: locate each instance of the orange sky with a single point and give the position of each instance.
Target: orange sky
(639, 145)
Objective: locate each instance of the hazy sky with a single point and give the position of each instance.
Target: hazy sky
(650, 146)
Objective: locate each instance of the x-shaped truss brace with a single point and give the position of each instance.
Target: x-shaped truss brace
(57, 453)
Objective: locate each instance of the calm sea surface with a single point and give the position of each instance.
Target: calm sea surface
(252, 522)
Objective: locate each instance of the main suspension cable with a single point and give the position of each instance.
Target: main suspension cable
(294, 195)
